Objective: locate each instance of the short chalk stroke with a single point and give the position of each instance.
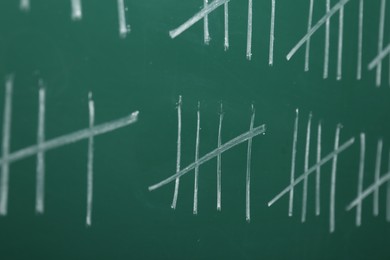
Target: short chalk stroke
(245, 137)
(44, 145)
(325, 20)
(77, 11)
(332, 156)
(124, 28)
(379, 181)
(24, 5)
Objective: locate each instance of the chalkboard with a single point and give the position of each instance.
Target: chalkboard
(195, 129)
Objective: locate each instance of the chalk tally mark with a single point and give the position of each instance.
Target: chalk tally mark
(315, 168)
(77, 12)
(124, 28)
(178, 156)
(91, 107)
(24, 5)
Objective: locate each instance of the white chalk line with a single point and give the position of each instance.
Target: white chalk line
(272, 34)
(318, 171)
(219, 163)
(206, 33)
(327, 42)
(248, 171)
(249, 32)
(309, 23)
(360, 40)
(378, 162)
(223, 148)
(124, 28)
(226, 25)
(7, 117)
(40, 178)
(323, 20)
(380, 41)
(293, 159)
(196, 18)
(361, 177)
(306, 167)
(312, 169)
(91, 107)
(77, 13)
(332, 211)
(383, 179)
(196, 183)
(340, 44)
(382, 55)
(178, 156)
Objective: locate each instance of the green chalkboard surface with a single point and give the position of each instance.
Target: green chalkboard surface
(195, 129)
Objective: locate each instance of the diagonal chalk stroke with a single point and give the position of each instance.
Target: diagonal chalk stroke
(124, 28)
(333, 183)
(178, 157)
(223, 148)
(309, 23)
(272, 34)
(196, 183)
(24, 5)
(378, 162)
(91, 107)
(77, 12)
(340, 44)
(382, 55)
(360, 40)
(248, 170)
(327, 42)
(312, 169)
(219, 162)
(385, 178)
(71, 138)
(4, 178)
(294, 154)
(321, 22)
(249, 31)
(197, 17)
(361, 177)
(40, 185)
(206, 33)
(380, 40)
(306, 167)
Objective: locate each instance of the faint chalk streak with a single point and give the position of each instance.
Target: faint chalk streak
(249, 32)
(219, 162)
(306, 167)
(361, 177)
(226, 24)
(272, 35)
(196, 183)
(309, 23)
(360, 40)
(332, 224)
(378, 162)
(91, 107)
(206, 33)
(24, 5)
(293, 159)
(124, 28)
(327, 42)
(380, 41)
(340, 45)
(248, 170)
(197, 17)
(178, 156)
(318, 171)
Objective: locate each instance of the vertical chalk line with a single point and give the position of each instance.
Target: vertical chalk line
(249, 33)
(77, 12)
(206, 33)
(378, 162)
(196, 183)
(380, 41)
(226, 24)
(219, 162)
(6, 145)
(124, 28)
(309, 23)
(272, 34)
(177, 181)
(306, 167)
(91, 107)
(333, 182)
(40, 188)
(388, 194)
(24, 5)
(360, 40)
(340, 45)
(318, 171)
(248, 169)
(293, 158)
(327, 42)
(361, 178)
